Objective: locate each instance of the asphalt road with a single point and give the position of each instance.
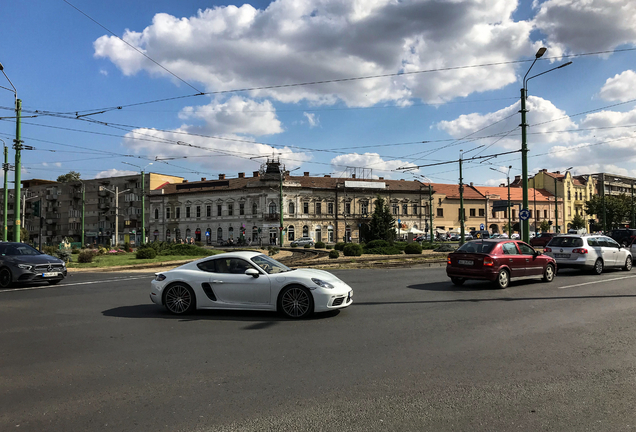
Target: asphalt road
(413, 353)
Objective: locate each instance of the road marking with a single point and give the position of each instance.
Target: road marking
(75, 283)
(595, 282)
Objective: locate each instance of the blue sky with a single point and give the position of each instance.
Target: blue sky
(435, 96)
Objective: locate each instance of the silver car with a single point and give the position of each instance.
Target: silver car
(303, 241)
(590, 252)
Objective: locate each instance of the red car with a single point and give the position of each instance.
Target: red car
(499, 261)
(542, 239)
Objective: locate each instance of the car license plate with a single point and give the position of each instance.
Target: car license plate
(466, 262)
(49, 274)
(556, 255)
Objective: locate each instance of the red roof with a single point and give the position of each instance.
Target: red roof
(516, 194)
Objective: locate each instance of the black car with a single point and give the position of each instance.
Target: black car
(20, 262)
(479, 234)
(623, 236)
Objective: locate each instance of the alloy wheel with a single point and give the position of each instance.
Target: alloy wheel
(295, 302)
(178, 299)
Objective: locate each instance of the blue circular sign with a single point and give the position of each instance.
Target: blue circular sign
(524, 214)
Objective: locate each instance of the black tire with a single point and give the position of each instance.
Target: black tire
(549, 273)
(458, 281)
(598, 267)
(54, 282)
(6, 278)
(179, 299)
(628, 264)
(503, 279)
(295, 302)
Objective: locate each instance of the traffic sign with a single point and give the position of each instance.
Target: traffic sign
(524, 214)
(399, 221)
(481, 226)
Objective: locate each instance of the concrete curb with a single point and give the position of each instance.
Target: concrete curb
(131, 267)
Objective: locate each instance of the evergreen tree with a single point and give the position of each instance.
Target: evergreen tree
(382, 225)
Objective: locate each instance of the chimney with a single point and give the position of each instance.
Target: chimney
(255, 174)
(306, 173)
(558, 172)
(517, 178)
(203, 178)
(221, 176)
(327, 175)
(241, 175)
(380, 178)
(353, 176)
(185, 181)
(401, 179)
(471, 184)
(502, 185)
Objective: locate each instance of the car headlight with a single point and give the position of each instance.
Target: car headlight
(321, 283)
(160, 277)
(25, 266)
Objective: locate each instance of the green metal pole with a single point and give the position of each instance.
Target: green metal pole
(556, 207)
(18, 166)
(83, 212)
(281, 208)
(633, 224)
(525, 235)
(143, 207)
(430, 210)
(5, 167)
(461, 204)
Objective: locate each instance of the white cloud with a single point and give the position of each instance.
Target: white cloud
(312, 119)
(58, 164)
(622, 87)
(380, 167)
(114, 173)
(103, 72)
(295, 41)
(587, 26)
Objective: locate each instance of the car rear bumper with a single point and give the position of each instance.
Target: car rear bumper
(466, 273)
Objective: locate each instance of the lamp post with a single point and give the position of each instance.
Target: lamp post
(17, 146)
(508, 178)
(116, 193)
(556, 204)
(5, 168)
(524, 144)
(143, 200)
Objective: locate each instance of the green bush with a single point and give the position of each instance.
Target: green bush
(319, 245)
(146, 253)
(428, 246)
(272, 251)
(198, 243)
(182, 249)
(377, 244)
(400, 245)
(49, 250)
(389, 250)
(334, 254)
(339, 246)
(329, 247)
(75, 251)
(352, 249)
(86, 256)
(307, 246)
(413, 249)
(63, 255)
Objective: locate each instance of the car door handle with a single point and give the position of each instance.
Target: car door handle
(527, 259)
(509, 259)
(217, 281)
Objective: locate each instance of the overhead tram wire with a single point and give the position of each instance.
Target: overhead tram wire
(132, 46)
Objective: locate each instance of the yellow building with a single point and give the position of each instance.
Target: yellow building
(574, 190)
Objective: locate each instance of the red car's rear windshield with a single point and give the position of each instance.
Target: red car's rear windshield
(477, 247)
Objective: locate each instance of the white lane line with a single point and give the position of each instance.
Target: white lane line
(73, 284)
(598, 281)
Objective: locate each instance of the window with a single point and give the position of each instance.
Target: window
(395, 209)
(292, 208)
(509, 249)
(415, 209)
(545, 214)
(440, 212)
(525, 249)
(348, 208)
(482, 212)
(530, 214)
(177, 212)
(305, 231)
(364, 208)
(230, 233)
(219, 210)
(168, 213)
(241, 209)
(219, 234)
(156, 213)
(305, 208)
(494, 214)
(569, 196)
(188, 211)
(290, 233)
(198, 211)
(230, 209)
(405, 209)
(514, 214)
(330, 208)
(254, 208)
(208, 211)
(473, 212)
(318, 208)
(167, 234)
(272, 208)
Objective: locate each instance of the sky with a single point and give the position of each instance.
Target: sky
(377, 87)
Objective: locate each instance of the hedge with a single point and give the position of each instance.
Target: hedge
(334, 254)
(319, 245)
(146, 253)
(352, 249)
(413, 249)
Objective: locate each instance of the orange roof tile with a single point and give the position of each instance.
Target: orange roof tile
(516, 193)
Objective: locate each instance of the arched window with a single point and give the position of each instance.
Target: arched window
(318, 233)
(272, 208)
(177, 233)
(167, 212)
(156, 213)
(230, 234)
(348, 233)
(219, 234)
(292, 208)
(290, 233)
(305, 231)
(208, 235)
(330, 233)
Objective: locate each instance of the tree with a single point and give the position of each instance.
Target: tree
(617, 209)
(71, 176)
(577, 222)
(382, 225)
(545, 226)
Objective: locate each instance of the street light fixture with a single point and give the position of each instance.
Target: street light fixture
(524, 144)
(143, 201)
(508, 178)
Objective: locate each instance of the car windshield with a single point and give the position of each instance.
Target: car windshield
(269, 265)
(566, 242)
(477, 247)
(17, 249)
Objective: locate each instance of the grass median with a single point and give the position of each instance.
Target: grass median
(116, 260)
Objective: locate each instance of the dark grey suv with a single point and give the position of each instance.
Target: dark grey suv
(20, 262)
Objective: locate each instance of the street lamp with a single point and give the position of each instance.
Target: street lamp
(508, 178)
(116, 193)
(5, 168)
(17, 146)
(143, 201)
(556, 204)
(524, 144)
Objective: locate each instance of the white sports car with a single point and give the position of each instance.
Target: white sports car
(248, 281)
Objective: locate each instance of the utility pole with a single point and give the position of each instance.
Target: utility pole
(143, 207)
(280, 198)
(461, 203)
(18, 166)
(5, 167)
(41, 223)
(430, 210)
(83, 211)
(603, 199)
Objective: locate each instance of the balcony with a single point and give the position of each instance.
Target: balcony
(51, 197)
(271, 216)
(104, 206)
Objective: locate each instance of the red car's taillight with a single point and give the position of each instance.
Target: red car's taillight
(579, 251)
(547, 249)
(488, 262)
(448, 260)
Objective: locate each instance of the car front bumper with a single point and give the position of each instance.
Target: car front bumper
(338, 297)
(22, 275)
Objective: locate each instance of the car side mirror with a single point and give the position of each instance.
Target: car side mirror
(252, 272)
